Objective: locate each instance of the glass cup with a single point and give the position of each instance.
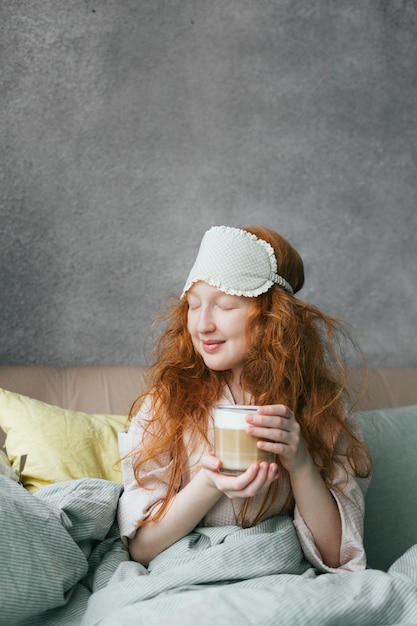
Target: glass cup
(233, 446)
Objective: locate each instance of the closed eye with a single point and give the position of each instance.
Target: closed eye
(227, 304)
(193, 304)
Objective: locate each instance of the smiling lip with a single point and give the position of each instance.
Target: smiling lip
(212, 345)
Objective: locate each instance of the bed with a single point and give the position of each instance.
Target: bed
(62, 560)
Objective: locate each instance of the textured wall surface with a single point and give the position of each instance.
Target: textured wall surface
(128, 127)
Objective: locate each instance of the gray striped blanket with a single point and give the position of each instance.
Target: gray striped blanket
(62, 563)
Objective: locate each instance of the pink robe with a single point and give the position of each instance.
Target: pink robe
(136, 503)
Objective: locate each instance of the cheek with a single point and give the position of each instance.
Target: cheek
(190, 323)
(192, 332)
(238, 329)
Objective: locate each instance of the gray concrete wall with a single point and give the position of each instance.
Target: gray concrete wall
(128, 127)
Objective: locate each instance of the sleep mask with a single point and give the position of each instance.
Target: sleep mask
(236, 262)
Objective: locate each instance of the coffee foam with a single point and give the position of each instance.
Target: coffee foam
(232, 417)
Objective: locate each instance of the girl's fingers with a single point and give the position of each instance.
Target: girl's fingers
(241, 481)
(281, 429)
(272, 420)
(210, 462)
(273, 411)
(249, 483)
(275, 435)
(266, 474)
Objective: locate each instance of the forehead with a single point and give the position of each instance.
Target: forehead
(201, 290)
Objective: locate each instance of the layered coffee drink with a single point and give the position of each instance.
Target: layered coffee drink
(233, 446)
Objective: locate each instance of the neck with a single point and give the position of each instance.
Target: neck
(238, 394)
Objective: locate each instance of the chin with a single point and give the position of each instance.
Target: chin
(214, 367)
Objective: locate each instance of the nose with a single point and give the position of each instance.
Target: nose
(205, 321)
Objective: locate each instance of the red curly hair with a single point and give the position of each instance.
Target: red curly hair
(293, 361)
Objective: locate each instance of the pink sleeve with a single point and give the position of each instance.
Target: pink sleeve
(136, 503)
(349, 493)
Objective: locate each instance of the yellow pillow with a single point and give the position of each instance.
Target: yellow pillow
(59, 444)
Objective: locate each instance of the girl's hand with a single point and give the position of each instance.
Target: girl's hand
(276, 424)
(245, 485)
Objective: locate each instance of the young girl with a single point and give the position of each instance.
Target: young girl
(238, 335)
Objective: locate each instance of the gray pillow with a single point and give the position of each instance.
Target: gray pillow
(391, 500)
(39, 560)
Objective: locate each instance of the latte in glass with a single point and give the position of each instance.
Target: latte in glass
(233, 446)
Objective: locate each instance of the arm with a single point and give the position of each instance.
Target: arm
(187, 508)
(316, 504)
(192, 503)
(319, 511)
